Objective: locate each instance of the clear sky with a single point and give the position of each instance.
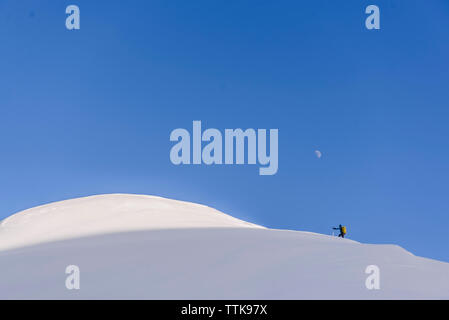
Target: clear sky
(90, 111)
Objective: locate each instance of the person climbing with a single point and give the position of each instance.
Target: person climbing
(342, 230)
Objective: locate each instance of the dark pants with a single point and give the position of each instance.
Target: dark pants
(341, 235)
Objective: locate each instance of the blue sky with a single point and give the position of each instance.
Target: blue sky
(90, 111)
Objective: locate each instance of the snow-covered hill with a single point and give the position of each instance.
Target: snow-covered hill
(142, 247)
(104, 214)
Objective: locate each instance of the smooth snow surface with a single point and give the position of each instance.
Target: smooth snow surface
(189, 251)
(104, 214)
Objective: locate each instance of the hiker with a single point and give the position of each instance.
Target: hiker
(342, 230)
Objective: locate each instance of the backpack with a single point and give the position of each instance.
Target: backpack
(343, 230)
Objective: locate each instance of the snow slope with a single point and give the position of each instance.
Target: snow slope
(188, 251)
(104, 214)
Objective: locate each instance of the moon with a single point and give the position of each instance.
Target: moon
(318, 154)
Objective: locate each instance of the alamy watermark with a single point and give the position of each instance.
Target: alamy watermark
(73, 280)
(372, 282)
(189, 149)
(373, 20)
(72, 22)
